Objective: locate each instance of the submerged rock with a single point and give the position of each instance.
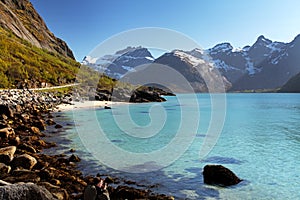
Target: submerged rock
(219, 175)
(74, 158)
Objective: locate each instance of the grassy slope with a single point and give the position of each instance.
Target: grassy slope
(20, 60)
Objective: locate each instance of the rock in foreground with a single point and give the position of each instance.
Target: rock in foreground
(219, 175)
(26, 191)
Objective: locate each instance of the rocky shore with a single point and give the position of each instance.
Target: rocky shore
(25, 171)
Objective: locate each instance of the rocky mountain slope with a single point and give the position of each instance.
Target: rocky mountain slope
(31, 56)
(20, 17)
(293, 85)
(197, 71)
(264, 65)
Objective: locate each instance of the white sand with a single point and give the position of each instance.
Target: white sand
(86, 104)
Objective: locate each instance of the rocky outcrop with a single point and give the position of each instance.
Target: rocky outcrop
(139, 95)
(219, 175)
(26, 191)
(146, 95)
(20, 17)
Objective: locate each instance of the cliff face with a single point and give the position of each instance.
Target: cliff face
(20, 17)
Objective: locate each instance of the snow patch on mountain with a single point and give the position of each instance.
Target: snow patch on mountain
(127, 68)
(220, 64)
(149, 58)
(275, 60)
(189, 58)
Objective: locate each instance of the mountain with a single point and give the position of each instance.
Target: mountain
(197, 71)
(31, 56)
(20, 17)
(264, 65)
(121, 62)
(293, 85)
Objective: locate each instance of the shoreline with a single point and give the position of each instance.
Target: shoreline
(74, 105)
(25, 118)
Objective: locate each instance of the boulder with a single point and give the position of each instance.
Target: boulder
(74, 158)
(7, 154)
(6, 110)
(25, 191)
(15, 141)
(45, 174)
(36, 131)
(129, 193)
(41, 124)
(25, 161)
(57, 192)
(57, 126)
(50, 122)
(6, 132)
(25, 117)
(18, 108)
(23, 175)
(219, 175)
(27, 148)
(4, 169)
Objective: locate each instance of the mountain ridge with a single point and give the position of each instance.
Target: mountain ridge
(251, 67)
(20, 17)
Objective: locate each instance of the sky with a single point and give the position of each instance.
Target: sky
(86, 24)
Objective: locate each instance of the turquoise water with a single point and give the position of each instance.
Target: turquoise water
(260, 142)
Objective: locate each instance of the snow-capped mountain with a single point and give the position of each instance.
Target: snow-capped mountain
(121, 62)
(196, 70)
(264, 65)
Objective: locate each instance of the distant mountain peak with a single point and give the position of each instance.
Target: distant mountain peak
(262, 39)
(223, 47)
(128, 49)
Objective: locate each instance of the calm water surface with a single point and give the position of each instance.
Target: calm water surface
(260, 142)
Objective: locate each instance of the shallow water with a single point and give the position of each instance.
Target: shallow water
(260, 142)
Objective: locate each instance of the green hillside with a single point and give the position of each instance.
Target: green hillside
(21, 62)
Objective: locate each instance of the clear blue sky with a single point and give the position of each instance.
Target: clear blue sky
(85, 24)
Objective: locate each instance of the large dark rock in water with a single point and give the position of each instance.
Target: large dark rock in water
(26, 191)
(219, 175)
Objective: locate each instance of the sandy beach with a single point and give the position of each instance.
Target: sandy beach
(86, 105)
